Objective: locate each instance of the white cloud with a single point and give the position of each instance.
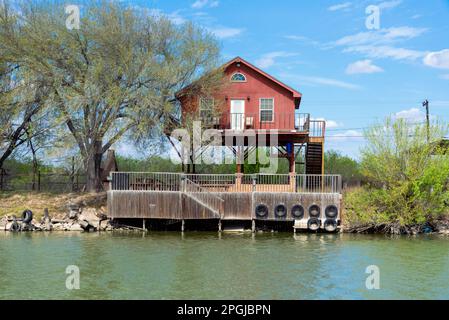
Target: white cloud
(224, 32)
(330, 124)
(331, 82)
(377, 52)
(411, 115)
(303, 39)
(267, 60)
(378, 44)
(363, 66)
(352, 135)
(296, 37)
(319, 81)
(340, 6)
(176, 18)
(382, 36)
(438, 59)
(203, 3)
(389, 4)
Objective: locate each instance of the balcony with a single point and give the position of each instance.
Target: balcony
(299, 122)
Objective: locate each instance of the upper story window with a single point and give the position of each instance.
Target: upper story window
(266, 110)
(206, 107)
(238, 77)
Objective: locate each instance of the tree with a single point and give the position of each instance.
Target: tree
(407, 175)
(348, 168)
(22, 100)
(115, 77)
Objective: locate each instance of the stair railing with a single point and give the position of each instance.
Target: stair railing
(202, 195)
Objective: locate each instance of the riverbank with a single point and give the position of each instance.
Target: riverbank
(363, 213)
(88, 212)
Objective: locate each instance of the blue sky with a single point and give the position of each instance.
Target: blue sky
(349, 75)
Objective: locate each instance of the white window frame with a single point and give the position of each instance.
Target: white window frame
(260, 110)
(199, 104)
(237, 81)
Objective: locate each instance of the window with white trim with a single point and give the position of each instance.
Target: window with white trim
(238, 77)
(206, 107)
(266, 109)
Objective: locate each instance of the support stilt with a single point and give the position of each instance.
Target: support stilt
(143, 225)
(182, 225)
(253, 226)
(219, 226)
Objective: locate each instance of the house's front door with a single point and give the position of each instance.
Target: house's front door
(237, 114)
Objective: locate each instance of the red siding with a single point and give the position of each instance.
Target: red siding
(257, 86)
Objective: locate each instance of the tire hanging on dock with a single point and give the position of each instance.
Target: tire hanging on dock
(330, 225)
(314, 211)
(331, 211)
(261, 211)
(297, 211)
(280, 211)
(313, 224)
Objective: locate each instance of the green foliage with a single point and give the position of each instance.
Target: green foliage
(115, 77)
(336, 163)
(407, 175)
(152, 164)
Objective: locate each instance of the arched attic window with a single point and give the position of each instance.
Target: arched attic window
(238, 77)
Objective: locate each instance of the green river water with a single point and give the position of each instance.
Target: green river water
(200, 265)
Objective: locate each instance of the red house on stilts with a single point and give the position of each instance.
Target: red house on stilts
(253, 101)
(248, 110)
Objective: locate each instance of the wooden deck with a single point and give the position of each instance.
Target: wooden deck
(215, 197)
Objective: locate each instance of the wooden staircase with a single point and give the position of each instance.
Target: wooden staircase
(204, 202)
(314, 158)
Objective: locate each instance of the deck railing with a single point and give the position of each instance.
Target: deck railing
(144, 181)
(317, 183)
(153, 181)
(317, 128)
(202, 195)
(258, 121)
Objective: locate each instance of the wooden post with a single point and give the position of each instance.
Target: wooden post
(219, 225)
(292, 177)
(253, 226)
(143, 225)
(182, 225)
(238, 182)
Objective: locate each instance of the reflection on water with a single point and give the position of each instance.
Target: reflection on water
(222, 266)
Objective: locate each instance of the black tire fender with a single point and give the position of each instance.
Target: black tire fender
(313, 224)
(261, 211)
(27, 216)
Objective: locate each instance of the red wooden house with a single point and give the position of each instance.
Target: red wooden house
(253, 100)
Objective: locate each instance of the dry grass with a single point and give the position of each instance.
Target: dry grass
(14, 203)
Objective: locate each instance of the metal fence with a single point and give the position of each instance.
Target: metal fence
(228, 182)
(258, 121)
(317, 183)
(42, 182)
(145, 181)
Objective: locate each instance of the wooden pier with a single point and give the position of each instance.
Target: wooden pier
(235, 197)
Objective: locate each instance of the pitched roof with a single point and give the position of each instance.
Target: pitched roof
(296, 94)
